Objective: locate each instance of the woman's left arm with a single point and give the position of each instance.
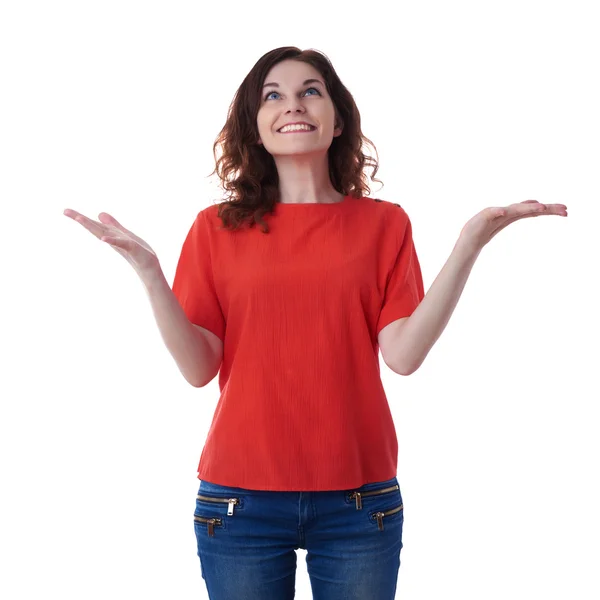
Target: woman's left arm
(419, 332)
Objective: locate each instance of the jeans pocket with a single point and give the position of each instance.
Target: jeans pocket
(388, 515)
(214, 505)
(214, 500)
(207, 523)
(383, 490)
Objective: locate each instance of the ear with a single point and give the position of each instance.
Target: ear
(339, 127)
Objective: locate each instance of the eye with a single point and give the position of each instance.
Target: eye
(310, 88)
(316, 90)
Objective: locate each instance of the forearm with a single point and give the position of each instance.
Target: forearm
(422, 329)
(187, 345)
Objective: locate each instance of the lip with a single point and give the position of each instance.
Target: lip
(298, 123)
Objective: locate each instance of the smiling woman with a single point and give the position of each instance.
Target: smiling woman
(301, 310)
(302, 450)
(261, 166)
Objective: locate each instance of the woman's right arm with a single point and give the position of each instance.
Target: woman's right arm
(197, 351)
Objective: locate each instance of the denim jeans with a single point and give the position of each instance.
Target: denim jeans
(247, 541)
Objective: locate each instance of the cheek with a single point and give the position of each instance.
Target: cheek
(262, 122)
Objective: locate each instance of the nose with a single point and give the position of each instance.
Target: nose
(295, 104)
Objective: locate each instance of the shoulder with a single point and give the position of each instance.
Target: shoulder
(392, 209)
(210, 211)
(387, 203)
(208, 216)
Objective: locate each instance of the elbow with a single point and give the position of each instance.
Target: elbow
(404, 369)
(400, 370)
(197, 381)
(207, 380)
(408, 372)
(405, 372)
(199, 384)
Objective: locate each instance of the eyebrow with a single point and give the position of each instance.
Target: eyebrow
(305, 83)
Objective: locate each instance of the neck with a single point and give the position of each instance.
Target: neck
(305, 180)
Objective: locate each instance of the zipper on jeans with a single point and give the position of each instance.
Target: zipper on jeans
(230, 501)
(210, 522)
(379, 515)
(359, 495)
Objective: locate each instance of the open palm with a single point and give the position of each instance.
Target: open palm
(486, 224)
(133, 248)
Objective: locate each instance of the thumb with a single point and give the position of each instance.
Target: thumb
(108, 219)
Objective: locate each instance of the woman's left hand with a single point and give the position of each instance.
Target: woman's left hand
(486, 224)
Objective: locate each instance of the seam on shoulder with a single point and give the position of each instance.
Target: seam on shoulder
(387, 201)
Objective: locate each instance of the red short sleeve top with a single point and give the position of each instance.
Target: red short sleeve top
(301, 406)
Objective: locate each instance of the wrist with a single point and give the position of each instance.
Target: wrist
(152, 276)
(465, 254)
(467, 248)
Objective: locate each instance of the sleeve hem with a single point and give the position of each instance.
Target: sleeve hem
(393, 312)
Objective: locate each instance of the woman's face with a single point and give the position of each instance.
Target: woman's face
(292, 100)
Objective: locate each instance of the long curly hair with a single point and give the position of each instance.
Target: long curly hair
(248, 172)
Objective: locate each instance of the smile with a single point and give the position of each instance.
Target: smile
(298, 129)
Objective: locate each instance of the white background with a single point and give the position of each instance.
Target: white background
(114, 106)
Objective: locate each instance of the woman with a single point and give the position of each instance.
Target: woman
(302, 450)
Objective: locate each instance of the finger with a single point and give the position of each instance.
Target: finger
(527, 208)
(550, 209)
(537, 209)
(73, 214)
(517, 211)
(110, 220)
(546, 209)
(544, 204)
(528, 204)
(93, 226)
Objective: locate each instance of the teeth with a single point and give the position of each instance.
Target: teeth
(296, 128)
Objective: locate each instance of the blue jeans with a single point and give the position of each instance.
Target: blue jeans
(247, 541)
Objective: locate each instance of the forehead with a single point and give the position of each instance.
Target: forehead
(291, 72)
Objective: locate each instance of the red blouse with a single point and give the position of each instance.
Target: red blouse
(302, 406)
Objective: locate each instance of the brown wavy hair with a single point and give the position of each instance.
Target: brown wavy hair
(248, 172)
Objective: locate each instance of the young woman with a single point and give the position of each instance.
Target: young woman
(302, 450)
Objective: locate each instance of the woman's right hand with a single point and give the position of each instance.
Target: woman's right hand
(135, 250)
